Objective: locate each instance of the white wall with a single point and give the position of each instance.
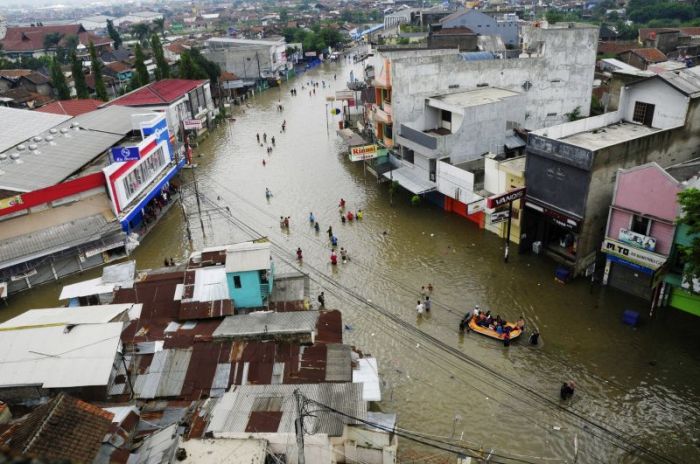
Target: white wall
(560, 80)
(454, 182)
(671, 106)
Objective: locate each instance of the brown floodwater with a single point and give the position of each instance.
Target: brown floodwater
(637, 388)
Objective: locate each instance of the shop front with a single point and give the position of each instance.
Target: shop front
(632, 269)
(552, 232)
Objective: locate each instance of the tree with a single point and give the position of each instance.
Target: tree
(141, 71)
(114, 34)
(140, 31)
(284, 15)
(51, 40)
(100, 88)
(162, 66)
(81, 88)
(689, 200)
(203, 68)
(159, 26)
(59, 81)
(188, 69)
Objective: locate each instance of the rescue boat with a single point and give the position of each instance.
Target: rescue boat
(515, 333)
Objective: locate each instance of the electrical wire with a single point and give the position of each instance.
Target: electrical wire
(620, 441)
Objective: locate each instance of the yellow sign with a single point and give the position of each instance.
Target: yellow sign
(363, 152)
(10, 202)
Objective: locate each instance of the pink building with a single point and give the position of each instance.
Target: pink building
(640, 229)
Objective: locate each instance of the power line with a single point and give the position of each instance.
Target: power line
(620, 441)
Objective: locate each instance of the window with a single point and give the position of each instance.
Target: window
(446, 116)
(236, 281)
(134, 182)
(640, 225)
(643, 113)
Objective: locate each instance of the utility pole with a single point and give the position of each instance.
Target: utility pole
(510, 218)
(199, 203)
(299, 427)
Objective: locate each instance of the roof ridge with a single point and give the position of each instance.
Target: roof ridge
(46, 420)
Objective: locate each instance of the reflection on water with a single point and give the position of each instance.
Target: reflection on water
(641, 383)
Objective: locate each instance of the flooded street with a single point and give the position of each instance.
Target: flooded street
(637, 389)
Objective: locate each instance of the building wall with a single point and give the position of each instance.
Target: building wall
(648, 190)
(249, 295)
(484, 24)
(670, 105)
(465, 42)
(666, 148)
(558, 76)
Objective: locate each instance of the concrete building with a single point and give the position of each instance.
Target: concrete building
(67, 204)
(640, 230)
(181, 100)
(431, 103)
(249, 59)
(506, 26)
(571, 168)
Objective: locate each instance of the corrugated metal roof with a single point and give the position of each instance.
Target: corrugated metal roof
(267, 323)
(54, 357)
(158, 448)
(685, 80)
(165, 375)
(210, 284)
(20, 125)
(367, 375)
(232, 413)
(63, 315)
(112, 119)
(60, 237)
(248, 256)
(117, 275)
(54, 161)
(338, 363)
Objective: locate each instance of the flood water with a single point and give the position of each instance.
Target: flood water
(637, 389)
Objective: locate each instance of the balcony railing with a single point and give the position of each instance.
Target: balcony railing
(386, 106)
(416, 136)
(382, 116)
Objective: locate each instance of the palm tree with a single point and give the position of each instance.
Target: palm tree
(159, 26)
(141, 31)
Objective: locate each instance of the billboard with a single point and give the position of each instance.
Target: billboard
(633, 254)
(364, 152)
(505, 198)
(644, 242)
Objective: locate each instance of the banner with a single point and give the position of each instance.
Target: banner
(633, 254)
(363, 152)
(499, 216)
(644, 242)
(190, 124)
(504, 198)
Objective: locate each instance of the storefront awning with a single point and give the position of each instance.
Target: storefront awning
(409, 179)
(350, 137)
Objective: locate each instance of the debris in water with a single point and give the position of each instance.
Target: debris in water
(556, 427)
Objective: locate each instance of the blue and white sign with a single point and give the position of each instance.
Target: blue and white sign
(160, 129)
(121, 154)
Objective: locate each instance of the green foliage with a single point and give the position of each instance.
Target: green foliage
(189, 69)
(284, 15)
(81, 88)
(596, 106)
(100, 89)
(209, 69)
(318, 39)
(114, 34)
(689, 200)
(142, 77)
(140, 31)
(403, 41)
(162, 66)
(51, 40)
(575, 114)
(415, 200)
(159, 26)
(644, 11)
(59, 81)
(360, 16)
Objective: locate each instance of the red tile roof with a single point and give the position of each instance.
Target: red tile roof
(692, 31)
(14, 73)
(26, 39)
(650, 55)
(158, 93)
(648, 32)
(117, 66)
(65, 428)
(615, 47)
(72, 107)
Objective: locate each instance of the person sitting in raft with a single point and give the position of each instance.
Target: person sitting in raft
(520, 324)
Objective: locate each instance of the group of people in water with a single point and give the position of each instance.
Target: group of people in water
(500, 326)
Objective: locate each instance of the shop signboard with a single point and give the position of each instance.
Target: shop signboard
(121, 154)
(644, 242)
(364, 152)
(505, 198)
(499, 216)
(11, 201)
(476, 206)
(633, 254)
(192, 124)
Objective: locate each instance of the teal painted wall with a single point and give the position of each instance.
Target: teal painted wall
(249, 295)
